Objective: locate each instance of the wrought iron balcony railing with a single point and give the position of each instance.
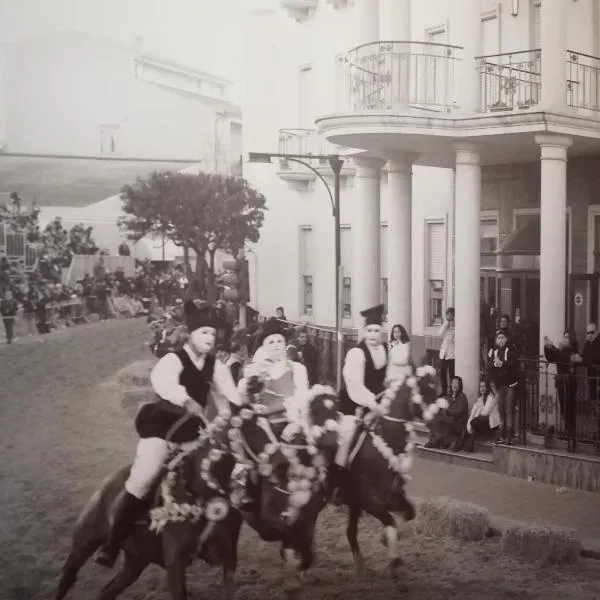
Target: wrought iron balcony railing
(510, 81)
(392, 75)
(583, 81)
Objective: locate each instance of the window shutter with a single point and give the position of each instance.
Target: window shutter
(536, 24)
(437, 251)
(383, 248)
(346, 248)
(306, 250)
(490, 40)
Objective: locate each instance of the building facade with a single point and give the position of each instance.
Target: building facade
(503, 94)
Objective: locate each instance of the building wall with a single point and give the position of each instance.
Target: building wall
(88, 90)
(277, 48)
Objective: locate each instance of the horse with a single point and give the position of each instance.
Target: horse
(380, 461)
(289, 481)
(188, 515)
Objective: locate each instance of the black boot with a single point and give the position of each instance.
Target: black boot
(127, 511)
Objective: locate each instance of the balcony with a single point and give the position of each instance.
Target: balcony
(401, 76)
(305, 141)
(583, 81)
(510, 81)
(300, 10)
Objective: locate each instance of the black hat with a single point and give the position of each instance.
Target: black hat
(272, 327)
(197, 317)
(373, 315)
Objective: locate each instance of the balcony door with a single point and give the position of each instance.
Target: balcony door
(306, 96)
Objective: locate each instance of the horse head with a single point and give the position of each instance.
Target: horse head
(323, 418)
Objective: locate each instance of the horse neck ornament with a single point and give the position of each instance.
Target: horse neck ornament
(306, 466)
(214, 509)
(397, 406)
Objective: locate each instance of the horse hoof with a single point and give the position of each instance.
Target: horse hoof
(383, 540)
(394, 567)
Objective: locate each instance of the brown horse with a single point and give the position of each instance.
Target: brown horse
(380, 460)
(197, 484)
(289, 483)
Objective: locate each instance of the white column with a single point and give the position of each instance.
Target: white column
(467, 248)
(399, 240)
(398, 17)
(553, 243)
(366, 235)
(553, 33)
(366, 14)
(466, 32)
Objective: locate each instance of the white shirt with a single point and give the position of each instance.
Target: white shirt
(489, 408)
(447, 347)
(354, 373)
(165, 379)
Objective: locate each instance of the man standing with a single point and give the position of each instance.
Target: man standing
(8, 309)
(447, 351)
(307, 355)
(364, 374)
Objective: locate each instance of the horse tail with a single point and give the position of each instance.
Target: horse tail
(89, 533)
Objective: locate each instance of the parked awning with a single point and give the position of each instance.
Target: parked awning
(523, 241)
(72, 181)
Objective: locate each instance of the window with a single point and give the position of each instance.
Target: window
(432, 88)
(340, 82)
(306, 94)
(108, 138)
(436, 259)
(489, 235)
(536, 24)
(346, 251)
(307, 295)
(384, 293)
(347, 298)
(596, 250)
(307, 253)
(490, 34)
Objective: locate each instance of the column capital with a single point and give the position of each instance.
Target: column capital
(401, 162)
(368, 166)
(553, 146)
(466, 153)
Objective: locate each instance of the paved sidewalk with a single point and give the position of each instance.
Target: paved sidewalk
(509, 498)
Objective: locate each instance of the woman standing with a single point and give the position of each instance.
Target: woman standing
(566, 381)
(399, 353)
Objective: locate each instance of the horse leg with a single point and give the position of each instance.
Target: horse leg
(391, 538)
(127, 575)
(175, 564)
(79, 555)
(230, 555)
(292, 585)
(352, 535)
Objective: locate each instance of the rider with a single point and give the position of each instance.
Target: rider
(182, 381)
(286, 382)
(364, 375)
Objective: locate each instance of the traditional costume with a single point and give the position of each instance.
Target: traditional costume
(285, 382)
(364, 376)
(182, 381)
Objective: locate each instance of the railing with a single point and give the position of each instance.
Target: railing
(583, 81)
(565, 404)
(401, 75)
(510, 81)
(298, 141)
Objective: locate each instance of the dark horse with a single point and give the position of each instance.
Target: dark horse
(380, 459)
(201, 479)
(288, 482)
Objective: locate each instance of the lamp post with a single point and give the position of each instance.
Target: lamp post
(336, 164)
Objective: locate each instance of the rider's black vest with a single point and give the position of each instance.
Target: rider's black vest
(157, 419)
(195, 381)
(374, 381)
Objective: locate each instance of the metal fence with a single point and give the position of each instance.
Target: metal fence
(559, 398)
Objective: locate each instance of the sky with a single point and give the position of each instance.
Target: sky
(205, 34)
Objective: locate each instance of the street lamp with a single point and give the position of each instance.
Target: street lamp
(336, 163)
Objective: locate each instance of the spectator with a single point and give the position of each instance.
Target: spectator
(503, 372)
(8, 310)
(449, 424)
(399, 353)
(566, 381)
(484, 420)
(447, 350)
(307, 355)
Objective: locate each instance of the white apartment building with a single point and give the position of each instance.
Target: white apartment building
(502, 94)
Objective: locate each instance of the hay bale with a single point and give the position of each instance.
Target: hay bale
(133, 397)
(451, 518)
(136, 374)
(539, 543)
